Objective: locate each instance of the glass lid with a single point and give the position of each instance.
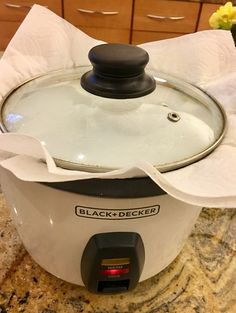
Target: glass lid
(172, 125)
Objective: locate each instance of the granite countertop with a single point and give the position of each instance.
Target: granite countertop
(202, 279)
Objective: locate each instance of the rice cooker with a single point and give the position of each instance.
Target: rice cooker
(108, 234)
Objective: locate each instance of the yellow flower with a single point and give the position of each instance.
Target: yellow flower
(224, 17)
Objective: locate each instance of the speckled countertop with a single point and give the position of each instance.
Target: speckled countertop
(202, 279)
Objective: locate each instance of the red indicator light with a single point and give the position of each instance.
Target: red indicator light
(115, 271)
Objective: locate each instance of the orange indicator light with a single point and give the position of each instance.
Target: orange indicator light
(115, 262)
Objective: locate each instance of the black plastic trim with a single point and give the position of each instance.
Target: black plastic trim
(111, 188)
(109, 246)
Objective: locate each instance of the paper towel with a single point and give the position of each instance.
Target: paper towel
(198, 58)
(207, 59)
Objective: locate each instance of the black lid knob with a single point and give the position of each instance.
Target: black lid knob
(118, 60)
(118, 72)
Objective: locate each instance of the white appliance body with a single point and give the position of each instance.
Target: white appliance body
(56, 225)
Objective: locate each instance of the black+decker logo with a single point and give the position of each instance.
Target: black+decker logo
(116, 214)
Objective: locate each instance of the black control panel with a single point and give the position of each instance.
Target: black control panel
(112, 262)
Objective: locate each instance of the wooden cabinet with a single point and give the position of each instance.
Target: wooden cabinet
(13, 12)
(105, 20)
(16, 10)
(139, 37)
(124, 21)
(7, 31)
(206, 12)
(159, 19)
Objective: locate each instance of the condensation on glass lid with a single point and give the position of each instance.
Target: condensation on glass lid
(171, 127)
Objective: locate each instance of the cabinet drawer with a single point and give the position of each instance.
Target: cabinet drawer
(166, 16)
(110, 35)
(139, 37)
(16, 10)
(99, 13)
(207, 10)
(7, 31)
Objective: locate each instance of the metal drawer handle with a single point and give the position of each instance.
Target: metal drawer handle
(165, 18)
(19, 6)
(98, 12)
